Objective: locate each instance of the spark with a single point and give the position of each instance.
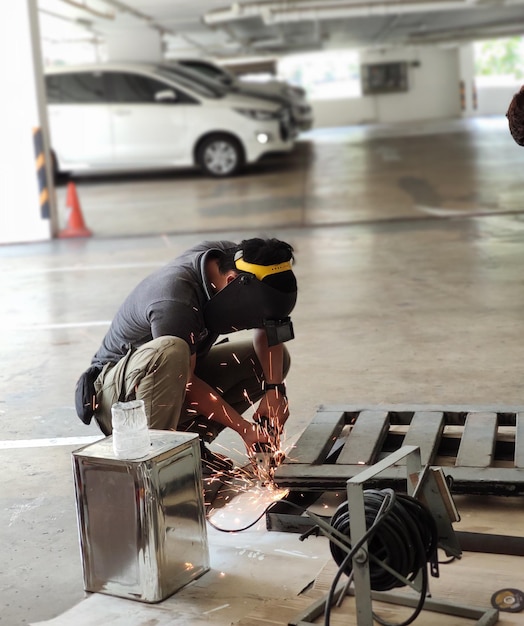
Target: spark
(235, 357)
(224, 410)
(213, 397)
(246, 396)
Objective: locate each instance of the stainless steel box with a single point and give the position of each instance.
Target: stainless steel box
(141, 523)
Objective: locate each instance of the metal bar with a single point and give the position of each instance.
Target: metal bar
(425, 431)
(386, 463)
(484, 617)
(366, 438)
(470, 480)
(360, 560)
(358, 528)
(478, 440)
(491, 544)
(362, 584)
(318, 438)
(458, 409)
(519, 440)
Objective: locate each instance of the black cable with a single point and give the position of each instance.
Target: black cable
(407, 540)
(381, 516)
(239, 530)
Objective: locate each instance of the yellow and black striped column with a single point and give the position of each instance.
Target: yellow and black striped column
(41, 173)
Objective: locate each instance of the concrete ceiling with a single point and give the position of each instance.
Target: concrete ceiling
(216, 28)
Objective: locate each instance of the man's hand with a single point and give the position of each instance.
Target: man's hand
(273, 409)
(252, 434)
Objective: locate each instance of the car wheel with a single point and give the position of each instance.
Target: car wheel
(220, 155)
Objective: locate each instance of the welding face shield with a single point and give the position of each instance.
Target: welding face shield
(252, 300)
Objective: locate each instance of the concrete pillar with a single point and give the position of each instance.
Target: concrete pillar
(140, 44)
(27, 207)
(468, 90)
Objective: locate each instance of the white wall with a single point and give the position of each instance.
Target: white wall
(434, 91)
(495, 100)
(22, 109)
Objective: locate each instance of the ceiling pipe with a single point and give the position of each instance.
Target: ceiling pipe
(281, 16)
(274, 13)
(85, 7)
(467, 33)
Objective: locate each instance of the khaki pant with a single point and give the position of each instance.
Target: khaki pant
(158, 372)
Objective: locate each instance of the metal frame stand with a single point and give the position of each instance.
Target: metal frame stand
(419, 484)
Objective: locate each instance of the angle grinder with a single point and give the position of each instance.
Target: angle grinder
(266, 458)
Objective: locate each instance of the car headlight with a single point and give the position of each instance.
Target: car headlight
(257, 114)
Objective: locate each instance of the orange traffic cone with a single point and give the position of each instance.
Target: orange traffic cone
(75, 225)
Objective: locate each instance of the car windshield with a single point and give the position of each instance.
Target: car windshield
(193, 80)
(212, 71)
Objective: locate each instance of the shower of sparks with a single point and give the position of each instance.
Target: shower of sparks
(253, 482)
(248, 500)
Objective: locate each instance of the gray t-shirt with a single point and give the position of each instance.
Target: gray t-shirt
(169, 301)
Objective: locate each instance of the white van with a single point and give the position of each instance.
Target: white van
(141, 116)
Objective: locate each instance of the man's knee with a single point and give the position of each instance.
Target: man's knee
(168, 345)
(168, 351)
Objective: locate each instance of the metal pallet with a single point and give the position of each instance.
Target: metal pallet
(480, 448)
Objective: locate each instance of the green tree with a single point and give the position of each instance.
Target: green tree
(498, 57)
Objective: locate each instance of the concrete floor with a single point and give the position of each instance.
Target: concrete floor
(410, 247)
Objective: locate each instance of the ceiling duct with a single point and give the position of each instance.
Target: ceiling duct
(276, 13)
(83, 6)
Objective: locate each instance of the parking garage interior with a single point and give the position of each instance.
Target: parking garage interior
(405, 214)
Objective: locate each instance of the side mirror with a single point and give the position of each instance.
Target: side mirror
(166, 95)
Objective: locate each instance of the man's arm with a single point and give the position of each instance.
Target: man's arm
(274, 404)
(206, 401)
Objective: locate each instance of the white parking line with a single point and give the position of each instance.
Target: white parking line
(47, 443)
(63, 325)
(82, 268)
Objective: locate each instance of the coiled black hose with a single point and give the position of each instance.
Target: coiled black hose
(404, 536)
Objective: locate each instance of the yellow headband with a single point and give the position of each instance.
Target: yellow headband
(261, 271)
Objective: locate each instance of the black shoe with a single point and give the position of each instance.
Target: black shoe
(213, 463)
